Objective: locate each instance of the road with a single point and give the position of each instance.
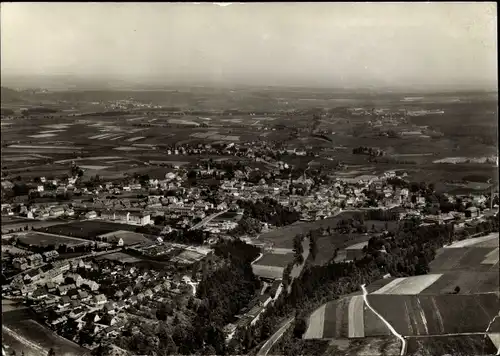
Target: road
(393, 331)
(275, 337)
(208, 219)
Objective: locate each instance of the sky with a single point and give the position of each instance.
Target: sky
(435, 45)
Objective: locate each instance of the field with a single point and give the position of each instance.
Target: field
(368, 346)
(463, 345)
(489, 240)
(22, 333)
(411, 285)
(273, 259)
(120, 257)
(463, 259)
(129, 237)
(45, 239)
(470, 282)
(435, 315)
(87, 229)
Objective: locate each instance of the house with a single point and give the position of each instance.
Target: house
(73, 294)
(140, 218)
(64, 302)
(50, 255)
(20, 263)
(140, 296)
(100, 299)
(110, 307)
(39, 294)
(133, 300)
(91, 215)
(64, 289)
(472, 212)
(35, 260)
(84, 296)
(148, 293)
(119, 294)
(51, 286)
(57, 211)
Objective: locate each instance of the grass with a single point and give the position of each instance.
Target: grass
(87, 229)
(41, 239)
(470, 282)
(278, 260)
(434, 315)
(120, 257)
(453, 345)
(462, 259)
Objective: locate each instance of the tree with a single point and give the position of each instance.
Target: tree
(456, 290)
(51, 352)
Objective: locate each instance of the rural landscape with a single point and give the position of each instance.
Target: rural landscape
(235, 219)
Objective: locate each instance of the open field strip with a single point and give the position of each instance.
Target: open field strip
(316, 324)
(118, 161)
(96, 136)
(24, 341)
(409, 285)
(492, 257)
(57, 126)
(42, 135)
(133, 139)
(88, 159)
(473, 241)
(115, 138)
(281, 251)
(105, 136)
(356, 313)
(51, 131)
(46, 147)
(495, 339)
(94, 167)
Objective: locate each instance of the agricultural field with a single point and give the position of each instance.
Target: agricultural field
(435, 315)
(463, 259)
(274, 259)
(469, 282)
(368, 346)
(46, 239)
(87, 229)
(408, 286)
(128, 237)
(120, 257)
(459, 345)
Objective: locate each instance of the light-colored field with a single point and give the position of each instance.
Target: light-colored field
(115, 138)
(19, 158)
(126, 148)
(133, 139)
(473, 241)
(41, 147)
(356, 313)
(409, 286)
(316, 324)
(52, 131)
(358, 246)
(57, 126)
(43, 135)
(118, 161)
(120, 257)
(94, 167)
(96, 137)
(495, 339)
(88, 159)
(281, 251)
(183, 122)
(492, 257)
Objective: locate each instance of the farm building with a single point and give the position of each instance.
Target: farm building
(355, 252)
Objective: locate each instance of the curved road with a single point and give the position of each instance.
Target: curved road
(276, 336)
(393, 331)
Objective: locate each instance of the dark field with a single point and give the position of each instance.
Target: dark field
(462, 259)
(369, 346)
(39, 239)
(336, 319)
(470, 282)
(434, 315)
(463, 345)
(87, 229)
(272, 259)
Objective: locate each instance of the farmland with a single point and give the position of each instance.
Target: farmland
(120, 257)
(463, 345)
(435, 315)
(46, 239)
(273, 259)
(128, 237)
(87, 229)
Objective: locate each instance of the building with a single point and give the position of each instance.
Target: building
(140, 218)
(50, 255)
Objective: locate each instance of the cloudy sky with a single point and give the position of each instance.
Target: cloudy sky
(445, 45)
